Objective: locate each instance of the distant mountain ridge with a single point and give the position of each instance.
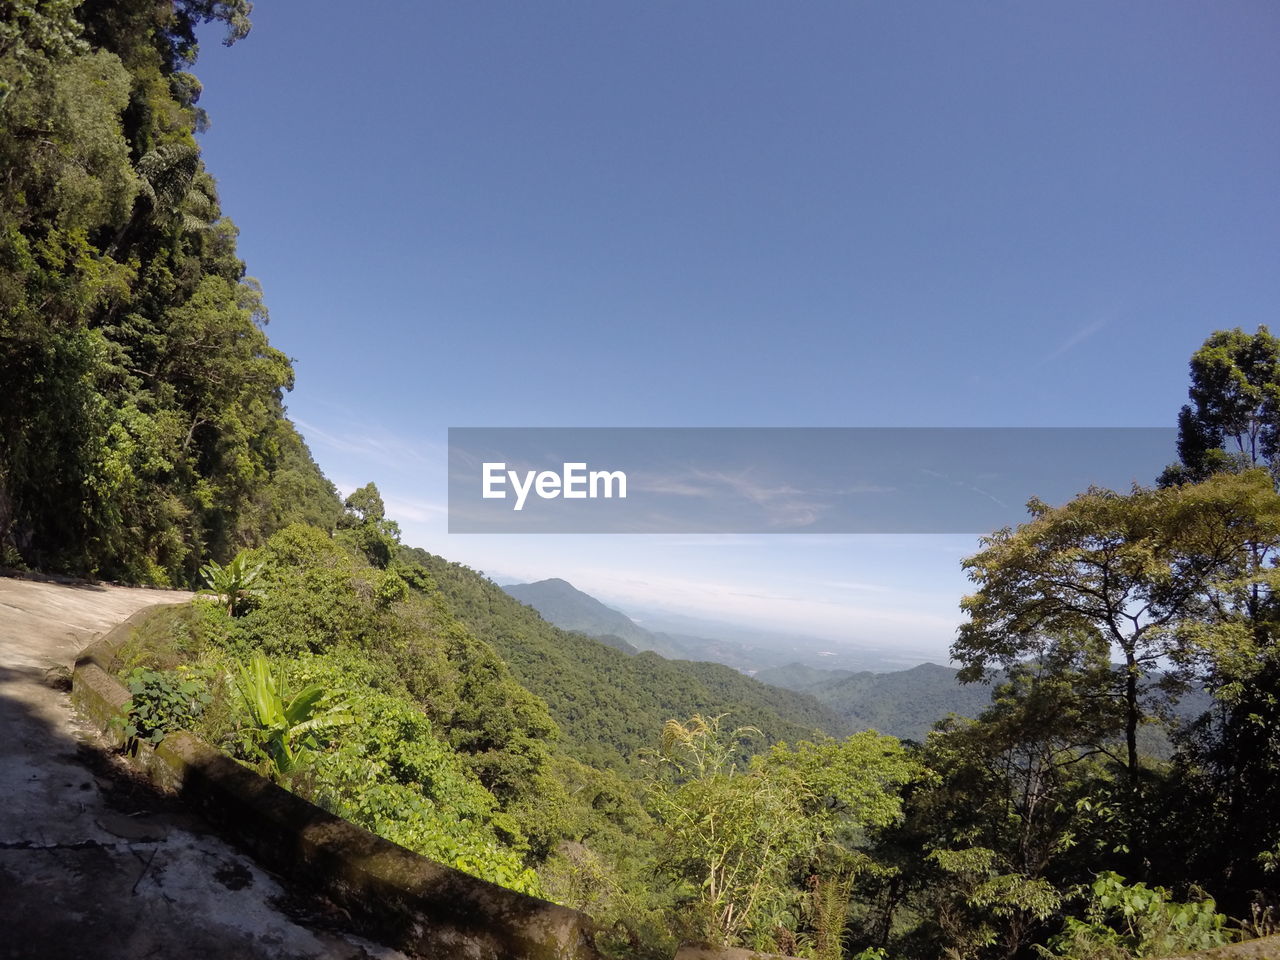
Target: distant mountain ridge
(677, 637)
(563, 604)
(569, 608)
(905, 703)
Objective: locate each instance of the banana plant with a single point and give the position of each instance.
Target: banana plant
(284, 726)
(233, 585)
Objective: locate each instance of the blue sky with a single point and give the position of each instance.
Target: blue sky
(743, 214)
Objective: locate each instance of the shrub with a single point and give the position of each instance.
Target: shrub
(315, 596)
(281, 728)
(391, 773)
(162, 701)
(233, 585)
(1124, 921)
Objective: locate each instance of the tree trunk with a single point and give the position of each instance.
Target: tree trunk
(1132, 717)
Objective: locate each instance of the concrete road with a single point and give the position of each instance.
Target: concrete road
(95, 864)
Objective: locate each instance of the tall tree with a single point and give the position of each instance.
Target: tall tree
(1233, 420)
(143, 431)
(1124, 575)
(1228, 762)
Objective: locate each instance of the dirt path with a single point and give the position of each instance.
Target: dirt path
(92, 863)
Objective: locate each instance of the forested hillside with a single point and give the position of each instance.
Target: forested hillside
(904, 703)
(799, 676)
(142, 430)
(559, 602)
(608, 703)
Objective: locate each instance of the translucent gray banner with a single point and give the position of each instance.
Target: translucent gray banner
(783, 480)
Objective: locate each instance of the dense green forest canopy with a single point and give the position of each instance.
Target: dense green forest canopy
(609, 703)
(142, 430)
(143, 437)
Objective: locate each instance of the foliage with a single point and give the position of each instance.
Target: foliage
(233, 584)
(981, 903)
(162, 702)
(1125, 921)
(390, 772)
(1023, 802)
(739, 836)
(144, 433)
(1138, 573)
(1233, 421)
(364, 525)
(283, 726)
(313, 595)
(826, 910)
(342, 729)
(610, 705)
(731, 834)
(430, 742)
(1218, 810)
(603, 862)
(320, 596)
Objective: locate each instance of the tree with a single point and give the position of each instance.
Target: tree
(1019, 799)
(1233, 421)
(144, 431)
(365, 526)
(1132, 575)
(744, 838)
(1226, 779)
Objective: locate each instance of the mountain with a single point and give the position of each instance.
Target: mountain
(609, 704)
(611, 640)
(679, 637)
(563, 604)
(905, 703)
(800, 677)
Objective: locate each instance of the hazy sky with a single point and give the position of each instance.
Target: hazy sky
(743, 214)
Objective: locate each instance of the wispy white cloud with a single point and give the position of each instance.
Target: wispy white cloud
(853, 586)
(783, 504)
(373, 444)
(672, 486)
(401, 508)
(1074, 340)
(963, 485)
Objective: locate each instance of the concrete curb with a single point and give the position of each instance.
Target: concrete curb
(393, 895)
